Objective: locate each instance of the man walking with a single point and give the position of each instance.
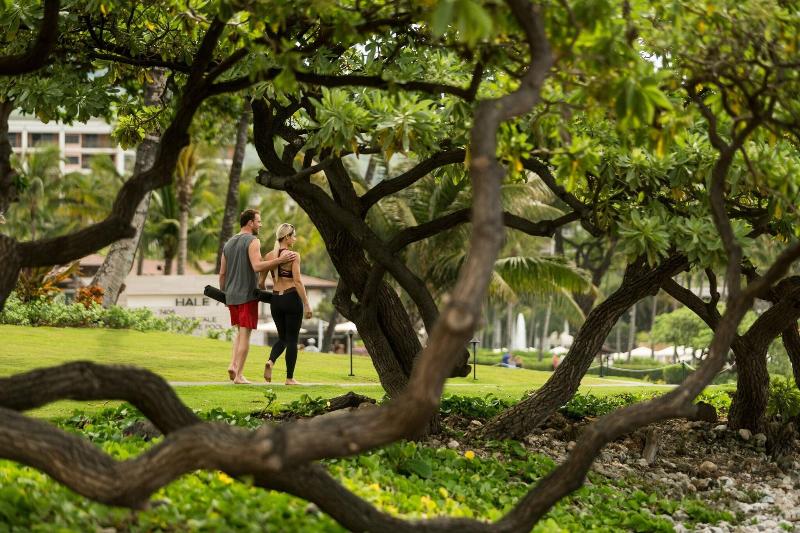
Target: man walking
(241, 259)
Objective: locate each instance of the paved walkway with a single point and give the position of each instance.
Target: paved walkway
(608, 383)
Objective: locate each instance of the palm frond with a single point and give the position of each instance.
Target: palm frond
(542, 275)
(500, 290)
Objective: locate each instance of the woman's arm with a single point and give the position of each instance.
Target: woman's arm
(262, 276)
(301, 289)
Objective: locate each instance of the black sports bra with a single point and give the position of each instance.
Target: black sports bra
(281, 272)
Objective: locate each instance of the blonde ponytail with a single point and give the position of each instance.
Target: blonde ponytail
(283, 231)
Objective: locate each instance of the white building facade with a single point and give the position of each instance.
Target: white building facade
(77, 143)
(183, 296)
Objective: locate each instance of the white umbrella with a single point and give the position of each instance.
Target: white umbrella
(346, 327)
(559, 350)
(666, 352)
(641, 351)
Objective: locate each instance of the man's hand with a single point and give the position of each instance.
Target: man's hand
(287, 257)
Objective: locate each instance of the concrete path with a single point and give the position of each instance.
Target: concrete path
(608, 383)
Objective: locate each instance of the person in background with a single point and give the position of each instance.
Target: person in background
(517, 361)
(506, 360)
(289, 303)
(556, 361)
(241, 259)
(312, 345)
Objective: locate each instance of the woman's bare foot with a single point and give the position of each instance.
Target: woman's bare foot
(268, 371)
(241, 380)
(231, 373)
(292, 382)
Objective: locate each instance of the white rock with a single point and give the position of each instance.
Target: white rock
(745, 434)
(707, 467)
(570, 445)
(453, 444)
(721, 427)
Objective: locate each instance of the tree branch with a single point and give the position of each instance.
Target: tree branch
(36, 56)
(408, 178)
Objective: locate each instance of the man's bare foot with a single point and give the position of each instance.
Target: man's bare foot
(292, 382)
(241, 380)
(231, 374)
(268, 371)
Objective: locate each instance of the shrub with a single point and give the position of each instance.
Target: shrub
(41, 283)
(784, 399)
(675, 374)
(473, 407)
(90, 295)
(61, 315)
(583, 405)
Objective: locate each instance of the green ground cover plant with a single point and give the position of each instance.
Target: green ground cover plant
(405, 478)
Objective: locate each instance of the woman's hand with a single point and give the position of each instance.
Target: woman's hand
(308, 313)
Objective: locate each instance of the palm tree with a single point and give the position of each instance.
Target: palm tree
(161, 230)
(524, 271)
(33, 215)
(185, 176)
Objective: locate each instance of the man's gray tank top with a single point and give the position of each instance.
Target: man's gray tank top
(240, 278)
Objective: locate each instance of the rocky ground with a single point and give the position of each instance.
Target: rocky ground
(730, 470)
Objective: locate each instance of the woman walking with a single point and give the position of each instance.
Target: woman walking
(289, 303)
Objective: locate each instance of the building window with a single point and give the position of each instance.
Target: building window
(42, 139)
(96, 140)
(87, 159)
(72, 138)
(73, 160)
(15, 139)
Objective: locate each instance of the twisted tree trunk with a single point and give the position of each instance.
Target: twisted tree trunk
(638, 282)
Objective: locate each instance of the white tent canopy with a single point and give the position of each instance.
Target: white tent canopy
(346, 327)
(559, 350)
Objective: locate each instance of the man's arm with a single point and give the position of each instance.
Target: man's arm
(223, 269)
(260, 266)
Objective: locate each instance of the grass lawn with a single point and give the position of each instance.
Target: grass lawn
(201, 364)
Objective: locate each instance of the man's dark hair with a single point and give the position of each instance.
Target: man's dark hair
(246, 216)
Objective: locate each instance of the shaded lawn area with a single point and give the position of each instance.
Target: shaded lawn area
(182, 358)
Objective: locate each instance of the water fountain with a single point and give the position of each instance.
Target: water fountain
(520, 338)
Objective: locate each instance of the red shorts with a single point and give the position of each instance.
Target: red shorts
(245, 315)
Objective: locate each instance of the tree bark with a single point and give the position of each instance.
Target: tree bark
(183, 237)
(8, 192)
(119, 261)
(638, 282)
(327, 338)
(752, 386)
(791, 341)
(632, 331)
(234, 178)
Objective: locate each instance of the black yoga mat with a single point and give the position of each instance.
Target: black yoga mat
(216, 294)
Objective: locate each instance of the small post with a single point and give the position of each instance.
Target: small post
(601, 364)
(474, 343)
(683, 367)
(350, 344)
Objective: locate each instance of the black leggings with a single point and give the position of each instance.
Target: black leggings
(287, 312)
